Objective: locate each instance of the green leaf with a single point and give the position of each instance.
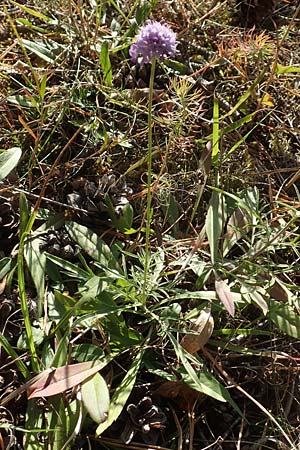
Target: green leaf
(121, 394)
(71, 269)
(75, 417)
(142, 13)
(33, 12)
(246, 95)
(214, 223)
(202, 382)
(9, 160)
(229, 128)
(87, 352)
(36, 262)
(285, 318)
(34, 421)
(6, 264)
(93, 287)
(121, 336)
(95, 397)
(49, 51)
(120, 215)
(105, 63)
(169, 207)
(25, 101)
(37, 335)
(58, 304)
(5, 345)
(176, 66)
(24, 213)
(90, 242)
(56, 419)
(286, 69)
(244, 138)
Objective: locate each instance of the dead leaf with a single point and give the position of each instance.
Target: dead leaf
(267, 100)
(237, 225)
(277, 290)
(205, 158)
(59, 380)
(224, 294)
(180, 392)
(203, 327)
(260, 301)
(142, 94)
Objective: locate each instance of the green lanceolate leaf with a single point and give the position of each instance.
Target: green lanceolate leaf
(285, 318)
(34, 421)
(95, 397)
(49, 51)
(9, 160)
(87, 352)
(36, 262)
(105, 63)
(121, 394)
(214, 223)
(91, 244)
(120, 215)
(202, 381)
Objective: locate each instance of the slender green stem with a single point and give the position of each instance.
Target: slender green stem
(149, 177)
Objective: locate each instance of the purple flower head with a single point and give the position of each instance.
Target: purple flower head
(154, 39)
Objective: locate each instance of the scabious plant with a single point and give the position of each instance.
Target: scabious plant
(155, 39)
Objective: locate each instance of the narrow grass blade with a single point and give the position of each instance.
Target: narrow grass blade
(15, 357)
(216, 134)
(32, 11)
(214, 224)
(246, 95)
(24, 306)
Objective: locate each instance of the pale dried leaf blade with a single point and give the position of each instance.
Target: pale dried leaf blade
(59, 380)
(203, 327)
(236, 226)
(224, 294)
(280, 292)
(205, 159)
(259, 299)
